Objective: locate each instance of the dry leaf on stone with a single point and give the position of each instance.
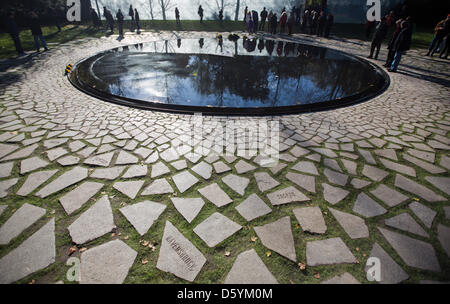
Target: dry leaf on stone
(83, 249)
(72, 250)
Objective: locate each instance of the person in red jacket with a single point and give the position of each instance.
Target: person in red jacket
(283, 21)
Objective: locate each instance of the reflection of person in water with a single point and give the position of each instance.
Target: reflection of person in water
(261, 45)
(179, 43)
(220, 43)
(270, 45)
(201, 42)
(280, 48)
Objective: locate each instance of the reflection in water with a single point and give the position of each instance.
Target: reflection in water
(223, 73)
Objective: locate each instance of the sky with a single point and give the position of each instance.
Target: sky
(345, 11)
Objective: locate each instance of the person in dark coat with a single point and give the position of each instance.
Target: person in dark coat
(55, 16)
(401, 44)
(36, 31)
(245, 14)
(95, 19)
(177, 15)
(274, 24)
(221, 15)
(13, 30)
(328, 25)
(120, 18)
(391, 51)
(200, 13)
(313, 22)
(137, 19)
(263, 16)
(378, 37)
(446, 44)
(370, 25)
(305, 20)
(109, 19)
(255, 19)
(321, 23)
(439, 35)
(291, 23)
(131, 14)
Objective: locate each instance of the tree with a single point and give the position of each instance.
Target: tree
(238, 7)
(151, 10)
(165, 6)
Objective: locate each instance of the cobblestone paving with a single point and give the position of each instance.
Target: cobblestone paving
(369, 180)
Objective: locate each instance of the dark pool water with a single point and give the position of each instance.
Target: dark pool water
(247, 75)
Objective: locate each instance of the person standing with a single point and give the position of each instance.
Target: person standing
(321, 23)
(245, 14)
(328, 25)
(255, 19)
(305, 20)
(401, 44)
(120, 18)
(283, 22)
(131, 14)
(138, 20)
(249, 21)
(291, 23)
(109, 19)
(55, 16)
(36, 31)
(221, 15)
(439, 35)
(263, 16)
(313, 23)
(274, 24)
(380, 34)
(95, 19)
(13, 30)
(177, 15)
(200, 13)
(370, 25)
(446, 44)
(391, 51)
(269, 21)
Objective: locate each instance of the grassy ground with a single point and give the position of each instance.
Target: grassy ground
(421, 38)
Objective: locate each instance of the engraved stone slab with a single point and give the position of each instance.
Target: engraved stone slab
(178, 255)
(249, 269)
(278, 237)
(253, 207)
(216, 229)
(286, 196)
(142, 215)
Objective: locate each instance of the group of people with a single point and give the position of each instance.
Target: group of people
(441, 40)
(311, 22)
(132, 13)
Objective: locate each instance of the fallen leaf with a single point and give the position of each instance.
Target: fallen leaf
(357, 261)
(317, 275)
(357, 248)
(32, 282)
(144, 261)
(254, 238)
(145, 243)
(72, 250)
(268, 253)
(297, 226)
(83, 249)
(227, 253)
(302, 266)
(52, 212)
(113, 234)
(416, 199)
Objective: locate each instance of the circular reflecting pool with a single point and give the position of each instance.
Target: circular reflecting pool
(229, 77)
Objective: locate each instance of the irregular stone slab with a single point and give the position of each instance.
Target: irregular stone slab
(221, 167)
(5, 169)
(189, 208)
(34, 254)
(253, 207)
(169, 155)
(34, 180)
(93, 223)
(237, 183)
(56, 153)
(125, 158)
(388, 153)
(265, 181)
(286, 196)
(336, 177)
(391, 272)
(306, 182)
(299, 151)
(359, 183)
(333, 195)
(54, 142)
(2, 208)
(243, 167)
(116, 256)
(142, 215)
(445, 162)
(350, 166)
(102, 160)
(159, 169)
(367, 156)
(374, 173)
(108, 173)
(69, 178)
(130, 189)
(447, 212)
(6, 185)
(136, 171)
(405, 222)
(398, 167)
(249, 269)
(179, 165)
(367, 207)
(328, 252)
(417, 189)
(442, 183)
(444, 237)
(277, 236)
(23, 218)
(429, 157)
(76, 145)
(306, 167)
(333, 164)
(310, 219)
(68, 160)
(184, 180)
(31, 164)
(216, 229)
(324, 151)
(414, 253)
(178, 255)
(389, 196)
(76, 198)
(7, 149)
(159, 186)
(353, 225)
(276, 169)
(24, 153)
(345, 278)
(425, 214)
(215, 195)
(424, 165)
(203, 169)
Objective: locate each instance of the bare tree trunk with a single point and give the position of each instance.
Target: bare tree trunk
(238, 7)
(98, 10)
(150, 2)
(163, 9)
